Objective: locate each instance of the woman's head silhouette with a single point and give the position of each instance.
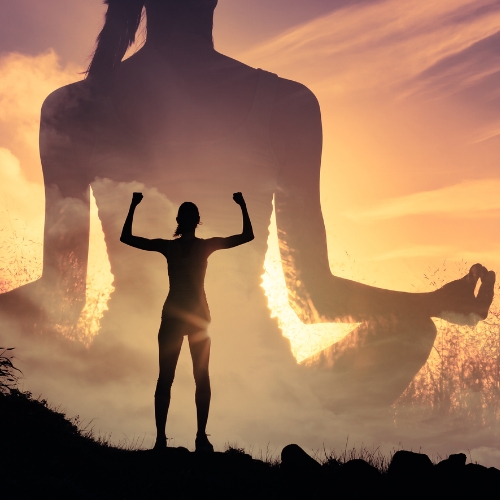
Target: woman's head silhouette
(123, 18)
(188, 218)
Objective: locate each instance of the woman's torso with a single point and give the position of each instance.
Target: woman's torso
(187, 265)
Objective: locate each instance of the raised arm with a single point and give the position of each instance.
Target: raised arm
(314, 293)
(128, 238)
(237, 239)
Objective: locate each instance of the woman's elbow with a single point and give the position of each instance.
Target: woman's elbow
(125, 239)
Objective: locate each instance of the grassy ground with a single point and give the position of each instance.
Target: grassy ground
(43, 454)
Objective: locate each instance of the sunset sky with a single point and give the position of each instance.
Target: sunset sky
(410, 98)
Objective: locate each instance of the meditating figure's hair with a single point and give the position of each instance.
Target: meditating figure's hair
(188, 218)
(122, 21)
(118, 34)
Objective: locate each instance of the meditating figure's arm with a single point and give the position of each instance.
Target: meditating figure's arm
(66, 139)
(136, 241)
(296, 137)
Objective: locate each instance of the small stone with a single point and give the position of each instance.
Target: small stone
(295, 459)
(458, 459)
(452, 464)
(406, 464)
(359, 470)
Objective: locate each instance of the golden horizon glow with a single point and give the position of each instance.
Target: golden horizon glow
(305, 340)
(99, 284)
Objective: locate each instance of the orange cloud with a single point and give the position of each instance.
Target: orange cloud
(467, 199)
(26, 81)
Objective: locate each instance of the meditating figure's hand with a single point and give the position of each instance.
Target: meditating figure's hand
(457, 302)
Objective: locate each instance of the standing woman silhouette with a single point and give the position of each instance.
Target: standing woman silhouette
(185, 311)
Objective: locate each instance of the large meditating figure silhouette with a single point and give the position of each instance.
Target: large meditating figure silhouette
(192, 124)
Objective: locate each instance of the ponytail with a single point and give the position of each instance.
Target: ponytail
(118, 34)
(188, 218)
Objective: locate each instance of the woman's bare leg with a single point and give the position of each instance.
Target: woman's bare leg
(199, 345)
(170, 344)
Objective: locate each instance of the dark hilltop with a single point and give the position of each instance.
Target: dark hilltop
(46, 455)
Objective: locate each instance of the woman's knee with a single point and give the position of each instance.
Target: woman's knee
(202, 379)
(419, 336)
(401, 350)
(164, 384)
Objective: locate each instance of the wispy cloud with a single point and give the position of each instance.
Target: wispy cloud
(468, 199)
(382, 44)
(465, 68)
(448, 253)
(415, 251)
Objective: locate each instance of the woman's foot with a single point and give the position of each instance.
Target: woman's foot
(160, 444)
(202, 444)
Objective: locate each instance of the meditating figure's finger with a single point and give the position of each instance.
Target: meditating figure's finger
(486, 293)
(475, 273)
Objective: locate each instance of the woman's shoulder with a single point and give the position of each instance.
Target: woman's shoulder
(289, 91)
(67, 97)
(296, 115)
(67, 112)
(295, 94)
(70, 109)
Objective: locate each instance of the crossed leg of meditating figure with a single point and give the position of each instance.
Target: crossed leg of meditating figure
(170, 342)
(374, 363)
